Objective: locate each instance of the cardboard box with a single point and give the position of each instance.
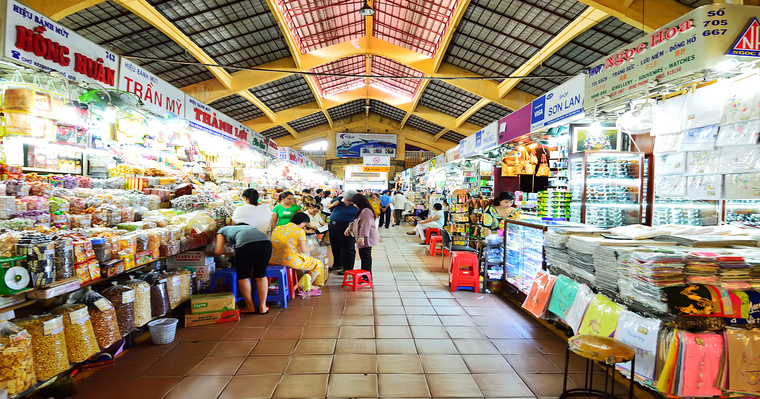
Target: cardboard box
(204, 272)
(212, 303)
(193, 320)
(189, 258)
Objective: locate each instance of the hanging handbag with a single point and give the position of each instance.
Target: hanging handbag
(543, 168)
(525, 167)
(533, 159)
(508, 166)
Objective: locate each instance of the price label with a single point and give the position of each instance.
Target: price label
(52, 326)
(176, 281)
(19, 336)
(128, 296)
(79, 316)
(102, 304)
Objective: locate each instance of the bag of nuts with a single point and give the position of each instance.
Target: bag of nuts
(77, 328)
(103, 318)
(16, 358)
(48, 344)
(142, 300)
(159, 297)
(123, 300)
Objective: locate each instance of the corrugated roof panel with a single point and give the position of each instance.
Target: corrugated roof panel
(346, 110)
(387, 111)
(308, 122)
(275, 132)
(238, 108)
(423, 125)
(281, 94)
(489, 113)
(418, 25)
(321, 23)
(445, 98)
(453, 136)
(331, 85)
(382, 66)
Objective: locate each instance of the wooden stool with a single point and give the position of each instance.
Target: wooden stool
(601, 349)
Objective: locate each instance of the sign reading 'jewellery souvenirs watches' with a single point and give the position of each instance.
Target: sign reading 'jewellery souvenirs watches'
(35, 40)
(698, 40)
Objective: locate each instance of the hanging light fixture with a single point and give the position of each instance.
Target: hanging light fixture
(366, 10)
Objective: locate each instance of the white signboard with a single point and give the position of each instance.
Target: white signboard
(378, 161)
(562, 102)
(37, 41)
(489, 137)
(467, 146)
(272, 149)
(157, 95)
(203, 117)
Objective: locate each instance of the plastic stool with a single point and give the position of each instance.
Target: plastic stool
(607, 352)
(356, 279)
(431, 232)
(292, 283)
(436, 246)
(230, 278)
(280, 295)
(464, 272)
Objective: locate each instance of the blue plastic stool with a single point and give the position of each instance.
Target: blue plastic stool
(280, 295)
(230, 277)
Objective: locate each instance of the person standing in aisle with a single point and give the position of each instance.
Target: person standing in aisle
(364, 231)
(385, 209)
(326, 202)
(252, 253)
(343, 246)
(399, 203)
(252, 213)
(284, 211)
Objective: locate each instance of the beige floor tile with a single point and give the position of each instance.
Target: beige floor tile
(502, 385)
(489, 364)
(435, 346)
(474, 346)
(274, 347)
(396, 346)
(352, 364)
(283, 333)
(250, 387)
(393, 332)
(355, 346)
(403, 386)
(358, 320)
(357, 331)
(297, 386)
(353, 386)
(429, 332)
(450, 364)
(453, 386)
(320, 332)
(201, 387)
(315, 346)
(399, 364)
(255, 365)
(227, 365)
(309, 364)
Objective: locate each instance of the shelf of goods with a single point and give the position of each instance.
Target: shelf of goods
(459, 218)
(554, 204)
(493, 269)
(606, 188)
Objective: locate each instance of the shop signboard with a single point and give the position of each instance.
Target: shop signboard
(157, 95)
(258, 142)
(698, 40)
(452, 154)
(489, 137)
(355, 145)
(208, 119)
(467, 146)
(292, 156)
(515, 124)
(376, 164)
(558, 104)
(299, 158)
(37, 41)
(440, 161)
(283, 153)
(272, 149)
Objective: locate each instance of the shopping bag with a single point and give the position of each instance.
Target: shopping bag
(543, 168)
(601, 317)
(563, 296)
(525, 167)
(540, 291)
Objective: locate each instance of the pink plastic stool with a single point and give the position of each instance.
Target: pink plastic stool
(356, 279)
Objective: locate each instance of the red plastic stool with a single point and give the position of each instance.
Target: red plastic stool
(431, 232)
(356, 279)
(436, 246)
(292, 283)
(464, 272)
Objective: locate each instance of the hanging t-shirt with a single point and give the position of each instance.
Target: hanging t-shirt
(284, 214)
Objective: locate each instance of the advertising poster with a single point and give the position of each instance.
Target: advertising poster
(355, 145)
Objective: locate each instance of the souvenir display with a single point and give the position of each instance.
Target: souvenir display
(538, 297)
(601, 317)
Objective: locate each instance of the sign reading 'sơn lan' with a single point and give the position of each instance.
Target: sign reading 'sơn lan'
(37, 41)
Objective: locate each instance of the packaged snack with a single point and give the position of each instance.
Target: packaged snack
(173, 287)
(103, 318)
(48, 344)
(142, 301)
(123, 300)
(64, 259)
(185, 283)
(77, 328)
(16, 358)
(159, 297)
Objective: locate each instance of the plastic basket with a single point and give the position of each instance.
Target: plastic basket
(162, 330)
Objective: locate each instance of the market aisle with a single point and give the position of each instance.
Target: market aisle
(411, 337)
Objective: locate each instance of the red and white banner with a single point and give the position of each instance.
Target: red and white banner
(157, 95)
(37, 41)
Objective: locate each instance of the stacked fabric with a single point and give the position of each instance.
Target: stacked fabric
(707, 241)
(606, 266)
(581, 251)
(556, 250)
(702, 268)
(734, 272)
(654, 269)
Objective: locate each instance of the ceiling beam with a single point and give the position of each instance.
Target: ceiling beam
(452, 28)
(415, 101)
(291, 130)
(150, 14)
(583, 22)
(440, 134)
(467, 114)
(646, 15)
(60, 9)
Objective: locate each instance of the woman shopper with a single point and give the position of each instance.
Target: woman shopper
(374, 202)
(289, 248)
(364, 231)
(500, 209)
(284, 211)
(343, 247)
(252, 253)
(252, 213)
(435, 221)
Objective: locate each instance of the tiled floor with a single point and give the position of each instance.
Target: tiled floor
(409, 337)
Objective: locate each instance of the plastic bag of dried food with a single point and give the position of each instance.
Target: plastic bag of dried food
(159, 297)
(64, 259)
(142, 300)
(103, 318)
(173, 287)
(48, 344)
(123, 300)
(16, 358)
(77, 328)
(184, 284)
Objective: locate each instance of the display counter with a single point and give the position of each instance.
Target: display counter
(524, 251)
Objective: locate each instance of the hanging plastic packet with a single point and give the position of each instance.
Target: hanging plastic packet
(142, 300)
(123, 300)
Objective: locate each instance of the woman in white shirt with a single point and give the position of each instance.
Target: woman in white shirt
(435, 221)
(252, 213)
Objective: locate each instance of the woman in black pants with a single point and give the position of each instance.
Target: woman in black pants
(343, 246)
(365, 231)
(252, 252)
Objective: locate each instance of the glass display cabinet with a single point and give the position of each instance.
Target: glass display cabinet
(606, 188)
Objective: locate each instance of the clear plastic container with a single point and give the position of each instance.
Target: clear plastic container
(142, 301)
(102, 249)
(48, 344)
